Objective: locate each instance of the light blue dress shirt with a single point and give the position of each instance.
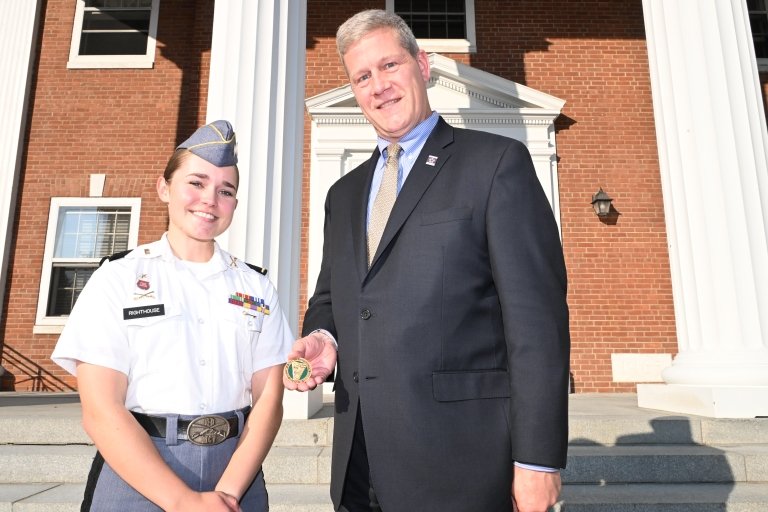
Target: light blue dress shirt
(410, 146)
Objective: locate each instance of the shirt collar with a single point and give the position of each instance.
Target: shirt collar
(414, 138)
(219, 262)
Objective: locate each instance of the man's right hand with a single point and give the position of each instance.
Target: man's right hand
(319, 350)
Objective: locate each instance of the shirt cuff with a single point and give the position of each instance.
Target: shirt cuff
(533, 467)
(328, 335)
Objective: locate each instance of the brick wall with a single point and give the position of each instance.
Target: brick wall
(124, 123)
(593, 55)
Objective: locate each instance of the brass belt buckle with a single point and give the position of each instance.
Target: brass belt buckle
(208, 430)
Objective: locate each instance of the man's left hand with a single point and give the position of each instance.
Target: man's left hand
(534, 491)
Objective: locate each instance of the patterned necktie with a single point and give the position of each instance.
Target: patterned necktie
(385, 198)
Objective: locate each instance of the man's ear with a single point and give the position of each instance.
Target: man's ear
(423, 60)
(162, 189)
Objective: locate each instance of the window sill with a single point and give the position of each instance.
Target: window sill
(111, 62)
(47, 329)
(446, 45)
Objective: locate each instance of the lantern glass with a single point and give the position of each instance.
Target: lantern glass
(601, 202)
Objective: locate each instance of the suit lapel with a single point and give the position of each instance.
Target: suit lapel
(433, 156)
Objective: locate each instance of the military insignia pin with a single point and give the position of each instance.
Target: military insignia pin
(143, 282)
(298, 370)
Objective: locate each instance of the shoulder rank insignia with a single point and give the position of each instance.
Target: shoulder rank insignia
(113, 257)
(258, 269)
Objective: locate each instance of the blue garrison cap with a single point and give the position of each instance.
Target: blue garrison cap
(214, 143)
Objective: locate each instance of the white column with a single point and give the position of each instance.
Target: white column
(713, 148)
(257, 83)
(18, 37)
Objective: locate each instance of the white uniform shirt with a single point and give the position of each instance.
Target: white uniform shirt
(188, 336)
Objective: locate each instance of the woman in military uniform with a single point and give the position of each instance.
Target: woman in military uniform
(178, 348)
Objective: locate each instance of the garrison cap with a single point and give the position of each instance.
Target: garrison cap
(214, 143)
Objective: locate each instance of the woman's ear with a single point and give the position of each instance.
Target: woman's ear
(162, 189)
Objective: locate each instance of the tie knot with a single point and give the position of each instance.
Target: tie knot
(393, 151)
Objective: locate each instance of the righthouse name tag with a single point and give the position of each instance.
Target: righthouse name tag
(143, 311)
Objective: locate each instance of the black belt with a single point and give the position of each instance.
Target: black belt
(203, 430)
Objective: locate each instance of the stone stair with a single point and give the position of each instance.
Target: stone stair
(621, 459)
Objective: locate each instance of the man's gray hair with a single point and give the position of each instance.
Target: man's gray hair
(359, 25)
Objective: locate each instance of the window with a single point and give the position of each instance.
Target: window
(758, 20)
(114, 34)
(80, 232)
(439, 25)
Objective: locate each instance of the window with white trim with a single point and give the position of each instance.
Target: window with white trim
(439, 25)
(114, 34)
(758, 20)
(81, 231)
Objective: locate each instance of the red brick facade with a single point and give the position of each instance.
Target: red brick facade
(123, 123)
(592, 54)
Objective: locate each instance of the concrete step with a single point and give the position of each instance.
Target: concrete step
(40, 463)
(666, 464)
(741, 497)
(586, 464)
(621, 458)
(54, 418)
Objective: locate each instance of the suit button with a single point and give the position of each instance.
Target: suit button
(355, 377)
(365, 314)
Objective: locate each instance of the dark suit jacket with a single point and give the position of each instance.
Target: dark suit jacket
(455, 343)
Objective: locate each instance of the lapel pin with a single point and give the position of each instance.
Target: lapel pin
(431, 160)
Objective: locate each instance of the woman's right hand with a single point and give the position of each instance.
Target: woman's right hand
(213, 501)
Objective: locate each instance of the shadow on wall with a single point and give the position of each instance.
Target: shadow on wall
(27, 373)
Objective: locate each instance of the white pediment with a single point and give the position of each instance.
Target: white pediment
(455, 88)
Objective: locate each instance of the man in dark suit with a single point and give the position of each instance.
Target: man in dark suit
(452, 329)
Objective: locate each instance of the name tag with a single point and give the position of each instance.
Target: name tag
(143, 311)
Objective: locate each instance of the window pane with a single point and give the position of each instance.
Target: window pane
(118, 3)
(756, 5)
(759, 23)
(455, 29)
(114, 43)
(437, 30)
(437, 5)
(85, 245)
(66, 285)
(455, 6)
(434, 19)
(116, 20)
(420, 27)
(91, 232)
(115, 27)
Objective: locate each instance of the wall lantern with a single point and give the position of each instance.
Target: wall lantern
(601, 202)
